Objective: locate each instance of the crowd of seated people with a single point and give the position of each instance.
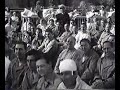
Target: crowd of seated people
(55, 53)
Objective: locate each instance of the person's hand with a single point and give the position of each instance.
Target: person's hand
(98, 84)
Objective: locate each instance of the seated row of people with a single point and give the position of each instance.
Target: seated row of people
(75, 69)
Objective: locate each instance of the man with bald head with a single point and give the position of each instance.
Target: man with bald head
(69, 53)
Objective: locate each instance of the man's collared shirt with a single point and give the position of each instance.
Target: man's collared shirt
(51, 83)
(15, 74)
(30, 80)
(79, 85)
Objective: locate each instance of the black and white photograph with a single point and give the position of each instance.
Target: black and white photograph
(59, 44)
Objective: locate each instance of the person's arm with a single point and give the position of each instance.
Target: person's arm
(106, 84)
(49, 47)
(98, 46)
(24, 84)
(100, 39)
(56, 69)
(110, 82)
(96, 73)
(42, 45)
(33, 42)
(8, 82)
(88, 74)
(22, 28)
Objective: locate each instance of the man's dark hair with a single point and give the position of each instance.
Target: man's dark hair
(38, 2)
(43, 56)
(48, 30)
(85, 40)
(23, 43)
(35, 53)
(111, 44)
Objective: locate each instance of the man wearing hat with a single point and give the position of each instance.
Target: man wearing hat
(69, 75)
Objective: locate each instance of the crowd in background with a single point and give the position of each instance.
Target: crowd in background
(56, 51)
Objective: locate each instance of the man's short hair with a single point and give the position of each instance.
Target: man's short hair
(23, 43)
(85, 40)
(35, 53)
(48, 30)
(43, 56)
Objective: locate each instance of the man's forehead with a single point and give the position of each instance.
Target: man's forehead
(107, 44)
(84, 43)
(30, 56)
(19, 46)
(39, 62)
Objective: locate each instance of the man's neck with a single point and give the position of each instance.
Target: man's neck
(87, 53)
(33, 70)
(71, 49)
(49, 75)
(111, 56)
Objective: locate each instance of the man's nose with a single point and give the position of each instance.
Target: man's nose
(39, 68)
(83, 47)
(106, 50)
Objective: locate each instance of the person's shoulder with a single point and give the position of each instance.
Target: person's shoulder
(57, 78)
(82, 85)
(63, 51)
(93, 52)
(79, 51)
(7, 60)
(14, 60)
(6, 25)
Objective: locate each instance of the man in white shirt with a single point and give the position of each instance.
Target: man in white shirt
(70, 78)
(82, 33)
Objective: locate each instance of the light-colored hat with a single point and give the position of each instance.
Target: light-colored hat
(67, 65)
